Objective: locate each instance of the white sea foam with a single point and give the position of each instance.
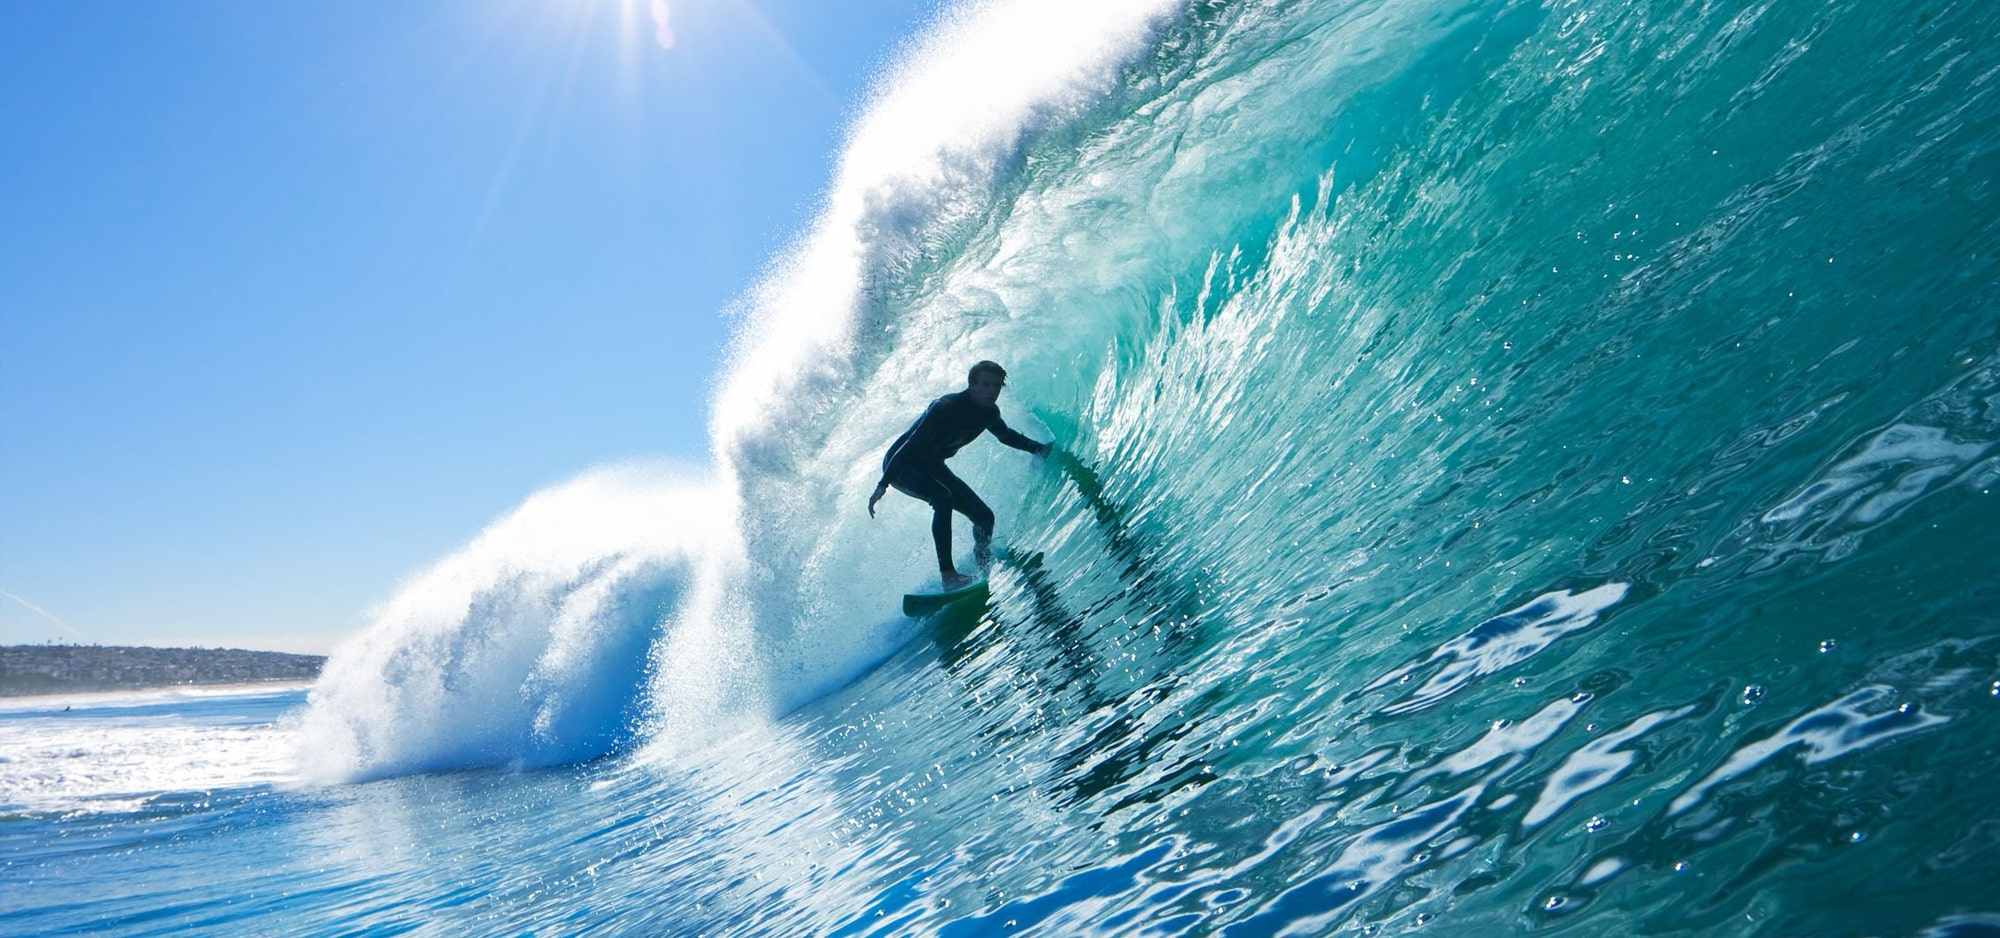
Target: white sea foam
(527, 647)
(147, 697)
(96, 753)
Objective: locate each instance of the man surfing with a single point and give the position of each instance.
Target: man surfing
(915, 464)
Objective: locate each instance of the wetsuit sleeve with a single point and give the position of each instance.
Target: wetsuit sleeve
(1007, 435)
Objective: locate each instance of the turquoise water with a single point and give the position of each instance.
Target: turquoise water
(1529, 469)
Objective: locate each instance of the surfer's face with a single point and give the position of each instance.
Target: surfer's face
(985, 387)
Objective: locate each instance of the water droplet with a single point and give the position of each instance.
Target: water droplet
(1751, 694)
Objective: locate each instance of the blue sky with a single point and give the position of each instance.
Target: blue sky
(294, 299)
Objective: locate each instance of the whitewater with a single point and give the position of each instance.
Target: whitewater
(1525, 467)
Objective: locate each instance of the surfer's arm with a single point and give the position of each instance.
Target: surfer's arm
(881, 488)
(1011, 437)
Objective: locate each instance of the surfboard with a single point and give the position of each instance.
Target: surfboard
(927, 602)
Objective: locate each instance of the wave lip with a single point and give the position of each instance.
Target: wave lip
(944, 130)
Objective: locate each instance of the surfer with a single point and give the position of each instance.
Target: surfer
(915, 463)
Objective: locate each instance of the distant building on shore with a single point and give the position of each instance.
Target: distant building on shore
(47, 669)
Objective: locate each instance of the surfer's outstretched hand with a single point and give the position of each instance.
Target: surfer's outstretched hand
(880, 488)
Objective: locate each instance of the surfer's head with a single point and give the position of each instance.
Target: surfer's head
(985, 380)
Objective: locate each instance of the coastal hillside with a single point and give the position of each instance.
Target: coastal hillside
(46, 669)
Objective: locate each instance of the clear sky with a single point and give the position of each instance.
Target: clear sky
(296, 298)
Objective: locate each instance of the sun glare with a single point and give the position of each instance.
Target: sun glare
(663, 27)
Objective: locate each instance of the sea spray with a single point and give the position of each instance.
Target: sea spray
(530, 645)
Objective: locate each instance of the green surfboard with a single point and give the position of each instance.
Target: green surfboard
(925, 603)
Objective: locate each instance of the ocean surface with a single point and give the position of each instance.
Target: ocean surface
(1526, 468)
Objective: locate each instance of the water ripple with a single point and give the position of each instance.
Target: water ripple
(1828, 732)
(1595, 765)
(1501, 642)
(1379, 856)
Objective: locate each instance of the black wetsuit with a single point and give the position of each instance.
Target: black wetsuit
(915, 463)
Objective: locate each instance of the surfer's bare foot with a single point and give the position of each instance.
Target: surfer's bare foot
(954, 581)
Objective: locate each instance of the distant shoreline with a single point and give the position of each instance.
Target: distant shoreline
(53, 670)
(17, 704)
